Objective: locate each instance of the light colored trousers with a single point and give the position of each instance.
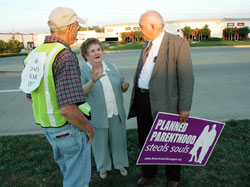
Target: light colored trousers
(72, 154)
(116, 135)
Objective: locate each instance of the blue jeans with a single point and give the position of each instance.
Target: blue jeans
(72, 154)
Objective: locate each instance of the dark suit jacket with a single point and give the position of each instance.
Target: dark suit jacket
(172, 82)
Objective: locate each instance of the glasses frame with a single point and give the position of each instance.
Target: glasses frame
(79, 27)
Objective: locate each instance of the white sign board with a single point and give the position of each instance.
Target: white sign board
(33, 71)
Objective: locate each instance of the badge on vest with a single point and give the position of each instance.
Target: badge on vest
(33, 71)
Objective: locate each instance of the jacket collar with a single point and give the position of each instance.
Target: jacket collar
(163, 52)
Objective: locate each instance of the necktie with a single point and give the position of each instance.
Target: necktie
(145, 53)
(143, 60)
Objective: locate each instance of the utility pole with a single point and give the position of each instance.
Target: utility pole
(87, 24)
(13, 32)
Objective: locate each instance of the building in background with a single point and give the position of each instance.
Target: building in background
(217, 28)
(113, 32)
(33, 40)
(28, 40)
(83, 35)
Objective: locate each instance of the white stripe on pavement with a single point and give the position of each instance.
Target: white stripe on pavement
(6, 91)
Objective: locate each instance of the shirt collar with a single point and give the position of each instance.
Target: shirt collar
(105, 67)
(157, 41)
(53, 39)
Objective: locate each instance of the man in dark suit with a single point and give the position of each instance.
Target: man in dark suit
(163, 82)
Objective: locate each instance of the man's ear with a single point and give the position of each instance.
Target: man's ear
(152, 26)
(70, 28)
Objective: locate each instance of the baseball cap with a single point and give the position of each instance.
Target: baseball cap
(62, 17)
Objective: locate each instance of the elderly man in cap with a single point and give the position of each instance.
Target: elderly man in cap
(51, 78)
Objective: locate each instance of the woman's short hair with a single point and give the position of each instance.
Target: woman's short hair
(86, 44)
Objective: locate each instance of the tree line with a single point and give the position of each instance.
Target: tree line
(187, 31)
(12, 46)
(204, 32)
(244, 31)
(96, 28)
(133, 36)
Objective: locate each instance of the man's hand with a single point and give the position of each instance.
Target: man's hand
(90, 131)
(75, 117)
(183, 115)
(29, 98)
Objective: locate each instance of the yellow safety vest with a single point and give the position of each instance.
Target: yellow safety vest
(45, 108)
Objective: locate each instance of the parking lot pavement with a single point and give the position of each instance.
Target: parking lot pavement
(221, 87)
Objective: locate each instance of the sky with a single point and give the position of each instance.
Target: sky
(31, 16)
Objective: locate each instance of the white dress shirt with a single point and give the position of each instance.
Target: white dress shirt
(108, 92)
(148, 67)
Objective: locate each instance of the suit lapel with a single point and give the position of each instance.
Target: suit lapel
(162, 55)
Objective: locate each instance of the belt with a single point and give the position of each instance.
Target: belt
(143, 90)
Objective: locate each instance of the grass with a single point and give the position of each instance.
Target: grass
(123, 46)
(118, 46)
(2, 55)
(219, 43)
(27, 160)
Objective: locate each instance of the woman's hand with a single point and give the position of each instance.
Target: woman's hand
(125, 85)
(96, 75)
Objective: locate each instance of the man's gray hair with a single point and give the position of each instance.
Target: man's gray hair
(155, 17)
(53, 27)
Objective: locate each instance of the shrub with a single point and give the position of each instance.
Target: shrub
(2, 46)
(12, 46)
(137, 35)
(15, 46)
(123, 36)
(187, 30)
(215, 39)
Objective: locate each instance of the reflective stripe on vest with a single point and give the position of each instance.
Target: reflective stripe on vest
(56, 49)
(85, 108)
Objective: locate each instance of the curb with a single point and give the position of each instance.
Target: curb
(16, 133)
(215, 47)
(119, 51)
(201, 47)
(10, 73)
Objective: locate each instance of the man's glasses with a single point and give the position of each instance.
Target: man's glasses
(79, 27)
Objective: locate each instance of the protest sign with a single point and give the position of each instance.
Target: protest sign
(172, 142)
(33, 72)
